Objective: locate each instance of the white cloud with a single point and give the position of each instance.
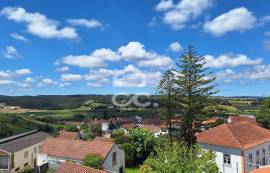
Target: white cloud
(259, 72)
(238, 19)
(84, 61)
(24, 71)
(5, 74)
(18, 36)
(175, 47)
(65, 84)
(135, 51)
(62, 69)
(164, 5)
(71, 77)
(47, 82)
(99, 74)
(106, 54)
(99, 83)
(159, 62)
(131, 76)
(6, 82)
(29, 80)
(92, 23)
(264, 20)
(184, 12)
(10, 52)
(230, 60)
(38, 24)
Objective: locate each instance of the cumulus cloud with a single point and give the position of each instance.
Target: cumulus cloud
(71, 77)
(133, 51)
(6, 82)
(178, 15)
(230, 60)
(131, 76)
(175, 47)
(10, 52)
(18, 36)
(92, 23)
(64, 84)
(24, 71)
(99, 74)
(164, 5)
(267, 33)
(259, 72)
(29, 80)
(38, 24)
(83, 61)
(99, 83)
(238, 19)
(5, 74)
(47, 82)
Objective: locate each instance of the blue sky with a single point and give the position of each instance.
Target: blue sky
(106, 46)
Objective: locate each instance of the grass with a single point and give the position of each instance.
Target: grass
(133, 170)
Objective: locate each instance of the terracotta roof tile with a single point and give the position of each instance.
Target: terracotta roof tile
(75, 149)
(235, 119)
(69, 167)
(152, 128)
(241, 135)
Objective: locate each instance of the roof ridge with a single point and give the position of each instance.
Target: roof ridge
(227, 125)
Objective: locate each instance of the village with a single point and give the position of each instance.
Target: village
(240, 145)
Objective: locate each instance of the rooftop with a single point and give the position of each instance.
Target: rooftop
(69, 167)
(21, 141)
(240, 135)
(75, 149)
(68, 135)
(261, 170)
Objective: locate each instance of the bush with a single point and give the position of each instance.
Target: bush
(93, 160)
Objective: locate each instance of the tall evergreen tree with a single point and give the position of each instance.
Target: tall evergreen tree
(194, 87)
(166, 88)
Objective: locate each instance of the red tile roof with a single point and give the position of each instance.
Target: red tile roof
(241, 135)
(75, 149)
(69, 167)
(209, 121)
(261, 170)
(67, 135)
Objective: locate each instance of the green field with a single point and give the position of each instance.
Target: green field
(133, 170)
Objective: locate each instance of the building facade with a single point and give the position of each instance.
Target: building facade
(20, 152)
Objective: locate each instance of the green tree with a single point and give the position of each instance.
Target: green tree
(264, 114)
(93, 160)
(71, 128)
(140, 144)
(194, 87)
(180, 159)
(166, 88)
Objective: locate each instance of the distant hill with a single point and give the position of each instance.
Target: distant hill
(52, 101)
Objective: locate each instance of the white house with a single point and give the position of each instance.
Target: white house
(55, 151)
(239, 147)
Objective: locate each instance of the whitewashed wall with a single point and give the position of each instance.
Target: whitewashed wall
(236, 159)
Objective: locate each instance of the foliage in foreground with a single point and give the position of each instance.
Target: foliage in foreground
(93, 160)
(264, 114)
(178, 158)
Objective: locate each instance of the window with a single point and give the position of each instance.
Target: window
(25, 154)
(257, 159)
(264, 157)
(17, 169)
(250, 159)
(26, 164)
(114, 158)
(227, 159)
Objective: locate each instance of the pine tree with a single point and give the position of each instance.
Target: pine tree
(166, 88)
(194, 87)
